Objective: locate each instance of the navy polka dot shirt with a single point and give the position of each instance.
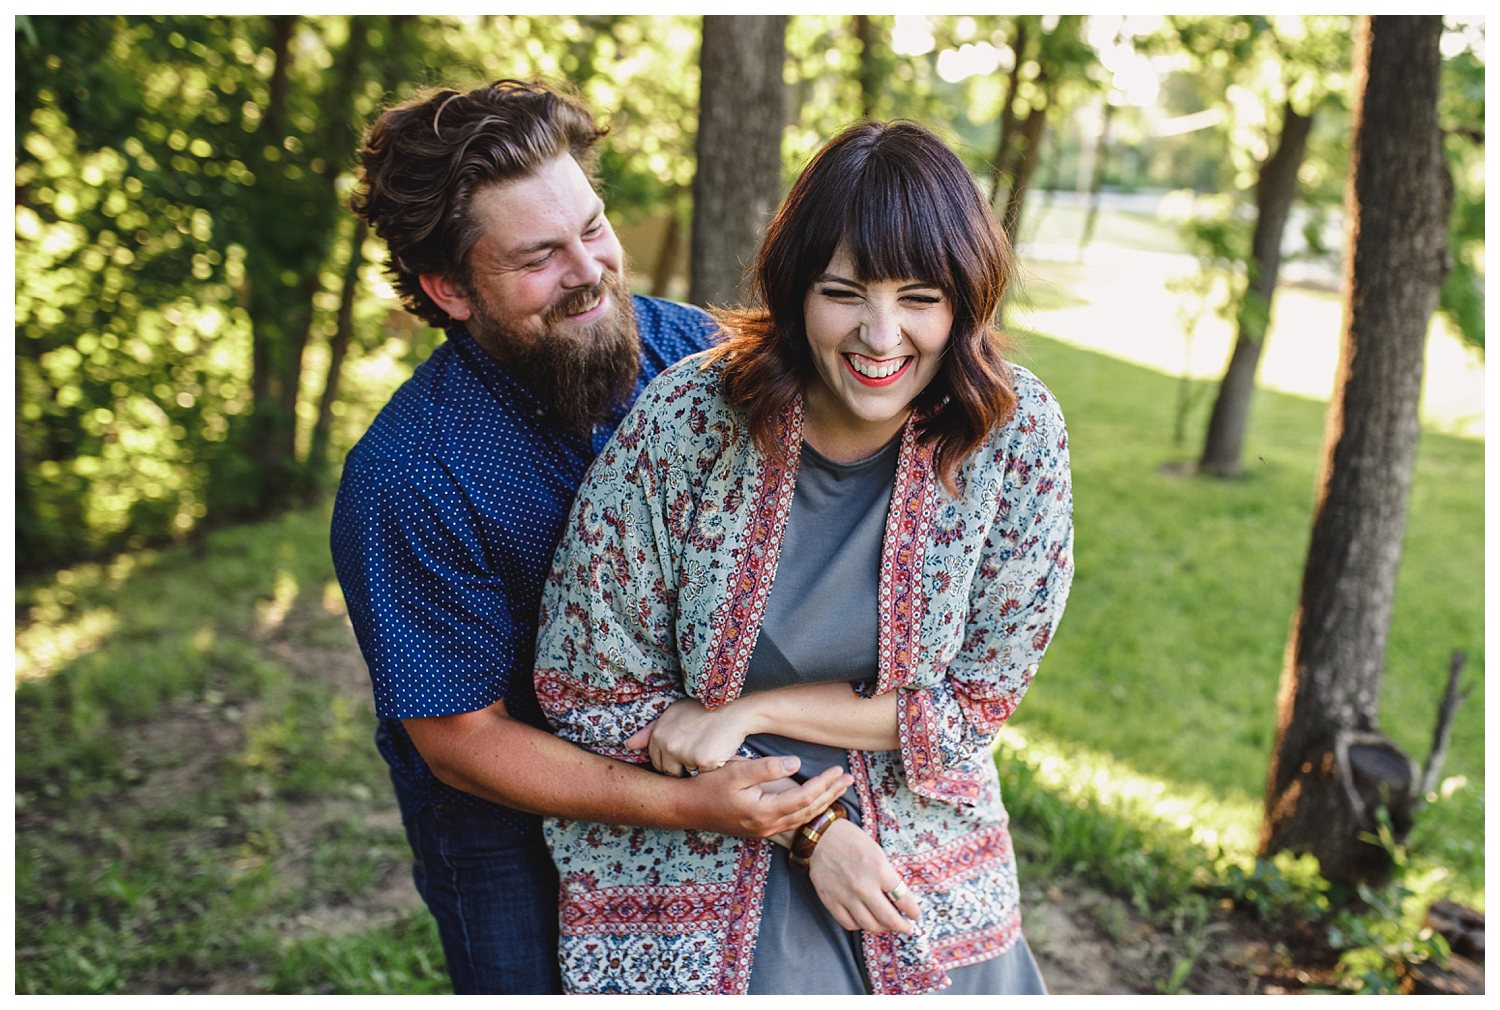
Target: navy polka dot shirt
(443, 530)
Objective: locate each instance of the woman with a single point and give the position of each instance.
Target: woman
(849, 526)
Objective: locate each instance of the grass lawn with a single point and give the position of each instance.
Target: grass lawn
(1167, 662)
(199, 804)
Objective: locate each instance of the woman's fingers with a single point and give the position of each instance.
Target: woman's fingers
(887, 915)
(900, 898)
(641, 737)
(877, 915)
(842, 917)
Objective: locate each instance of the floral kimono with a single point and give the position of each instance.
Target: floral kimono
(658, 591)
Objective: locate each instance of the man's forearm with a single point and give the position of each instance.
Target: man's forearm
(491, 755)
(512, 763)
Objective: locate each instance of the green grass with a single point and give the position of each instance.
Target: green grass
(195, 777)
(1170, 653)
(198, 802)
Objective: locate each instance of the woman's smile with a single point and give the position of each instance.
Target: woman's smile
(872, 372)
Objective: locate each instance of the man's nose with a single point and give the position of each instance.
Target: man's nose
(584, 270)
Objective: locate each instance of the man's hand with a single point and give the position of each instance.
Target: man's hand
(853, 877)
(687, 738)
(755, 799)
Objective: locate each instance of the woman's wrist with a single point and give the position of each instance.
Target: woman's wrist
(752, 712)
(831, 839)
(805, 841)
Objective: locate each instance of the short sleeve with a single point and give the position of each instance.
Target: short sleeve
(431, 613)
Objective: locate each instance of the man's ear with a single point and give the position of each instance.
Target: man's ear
(449, 295)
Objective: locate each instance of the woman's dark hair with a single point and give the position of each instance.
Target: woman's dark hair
(905, 206)
(423, 160)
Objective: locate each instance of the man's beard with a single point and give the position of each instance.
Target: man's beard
(581, 372)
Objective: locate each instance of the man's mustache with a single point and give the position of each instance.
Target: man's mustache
(579, 300)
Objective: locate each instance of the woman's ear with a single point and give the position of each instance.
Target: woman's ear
(450, 296)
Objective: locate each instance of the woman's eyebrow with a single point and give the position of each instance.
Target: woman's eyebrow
(838, 280)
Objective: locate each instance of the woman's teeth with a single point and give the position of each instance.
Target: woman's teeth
(872, 369)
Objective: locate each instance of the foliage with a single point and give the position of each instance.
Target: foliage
(1250, 68)
(1461, 112)
(179, 267)
(174, 329)
(162, 299)
(1378, 934)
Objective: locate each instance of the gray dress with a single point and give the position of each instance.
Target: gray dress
(821, 625)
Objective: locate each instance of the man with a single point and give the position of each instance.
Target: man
(453, 501)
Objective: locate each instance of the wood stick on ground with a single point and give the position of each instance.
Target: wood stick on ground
(1443, 731)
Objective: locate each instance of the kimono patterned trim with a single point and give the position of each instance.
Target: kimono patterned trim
(736, 625)
(658, 591)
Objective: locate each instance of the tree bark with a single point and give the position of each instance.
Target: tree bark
(1096, 178)
(1029, 156)
(338, 350)
(279, 317)
(1009, 121)
(281, 309)
(1320, 788)
(1275, 192)
(666, 254)
(741, 113)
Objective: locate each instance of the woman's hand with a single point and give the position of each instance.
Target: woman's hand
(687, 738)
(854, 879)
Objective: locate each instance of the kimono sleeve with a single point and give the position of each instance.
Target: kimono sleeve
(1015, 602)
(606, 663)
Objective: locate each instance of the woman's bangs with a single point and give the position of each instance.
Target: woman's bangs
(893, 233)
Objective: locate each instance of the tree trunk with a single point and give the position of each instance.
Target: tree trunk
(338, 350)
(283, 274)
(666, 254)
(280, 314)
(741, 113)
(1330, 767)
(1029, 156)
(1275, 191)
(1008, 118)
(1096, 178)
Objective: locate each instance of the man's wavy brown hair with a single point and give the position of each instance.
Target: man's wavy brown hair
(906, 208)
(422, 161)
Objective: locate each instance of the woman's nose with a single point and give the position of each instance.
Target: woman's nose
(882, 331)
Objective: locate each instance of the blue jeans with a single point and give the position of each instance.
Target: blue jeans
(494, 894)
